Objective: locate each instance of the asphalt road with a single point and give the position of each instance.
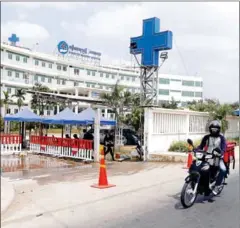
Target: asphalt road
(224, 212)
(154, 204)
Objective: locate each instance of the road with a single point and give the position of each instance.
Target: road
(141, 200)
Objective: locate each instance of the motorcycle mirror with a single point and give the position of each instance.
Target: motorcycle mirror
(190, 142)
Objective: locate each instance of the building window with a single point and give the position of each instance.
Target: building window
(88, 72)
(163, 92)
(59, 67)
(164, 81)
(198, 84)
(35, 78)
(76, 84)
(48, 112)
(58, 81)
(187, 83)
(25, 59)
(64, 68)
(50, 65)
(17, 57)
(8, 111)
(198, 94)
(175, 80)
(93, 73)
(113, 76)
(9, 55)
(187, 94)
(15, 111)
(122, 77)
(10, 73)
(9, 90)
(101, 74)
(76, 71)
(88, 85)
(100, 87)
(43, 79)
(43, 64)
(93, 85)
(63, 82)
(17, 75)
(133, 90)
(133, 79)
(107, 75)
(36, 62)
(128, 78)
(49, 80)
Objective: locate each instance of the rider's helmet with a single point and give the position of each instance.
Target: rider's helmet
(214, 128)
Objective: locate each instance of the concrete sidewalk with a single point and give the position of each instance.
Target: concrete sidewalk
(7, 194)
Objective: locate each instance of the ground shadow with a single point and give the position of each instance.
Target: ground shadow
(200, 200)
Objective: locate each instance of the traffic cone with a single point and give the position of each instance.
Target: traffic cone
(102, 182)
(189, 161)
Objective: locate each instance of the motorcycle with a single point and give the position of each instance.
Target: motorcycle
(202, 176)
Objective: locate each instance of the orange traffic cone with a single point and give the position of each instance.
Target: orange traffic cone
(102, 182)
(189, 161)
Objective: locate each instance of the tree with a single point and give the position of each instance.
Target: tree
(118, 101)
(6, 101)
(216, 110)
(20, 95)
(220, 113)
(39, 102)
(173, 104)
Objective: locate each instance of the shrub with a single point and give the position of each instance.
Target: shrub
(181, 146)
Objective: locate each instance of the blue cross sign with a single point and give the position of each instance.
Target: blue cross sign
(13, 39)
(151, 42)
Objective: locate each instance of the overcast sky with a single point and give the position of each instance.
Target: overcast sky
(206, 35)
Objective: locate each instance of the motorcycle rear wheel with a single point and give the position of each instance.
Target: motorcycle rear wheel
(184, 193)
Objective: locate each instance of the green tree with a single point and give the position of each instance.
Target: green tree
(20, 95)
(220, 113)
(6, 101)
(117, 100)
(39, 102)
(173, 104)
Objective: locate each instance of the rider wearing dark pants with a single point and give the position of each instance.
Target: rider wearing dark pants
(215, 141)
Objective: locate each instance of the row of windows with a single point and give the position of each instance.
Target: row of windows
(184, 82)
(17, 57)
(183, 93)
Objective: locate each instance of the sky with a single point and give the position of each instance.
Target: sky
(205, 35)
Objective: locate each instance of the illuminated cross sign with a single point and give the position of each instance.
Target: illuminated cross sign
(151, 42)
(13, 39)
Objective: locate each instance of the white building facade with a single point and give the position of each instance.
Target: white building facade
(22, 68)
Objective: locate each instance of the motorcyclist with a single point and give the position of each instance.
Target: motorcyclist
(216, 142)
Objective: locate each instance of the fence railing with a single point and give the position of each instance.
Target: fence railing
(62, 147)
(10, 143)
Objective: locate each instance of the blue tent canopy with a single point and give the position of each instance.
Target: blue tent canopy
(25, 115)
(88, 115)
(236, 112)
(67, 116)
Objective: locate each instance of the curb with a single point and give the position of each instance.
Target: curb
(7, 194)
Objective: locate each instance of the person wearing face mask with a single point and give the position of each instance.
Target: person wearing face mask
(215, 142)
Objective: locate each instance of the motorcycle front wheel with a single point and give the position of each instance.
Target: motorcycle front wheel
(188, 197)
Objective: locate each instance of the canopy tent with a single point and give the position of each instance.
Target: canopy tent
(67, 116)
(25, 115)
(88, 115)
(236, 112)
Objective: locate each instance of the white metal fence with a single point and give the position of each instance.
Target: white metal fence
(163, 126)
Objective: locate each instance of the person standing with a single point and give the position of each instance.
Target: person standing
(109, 143)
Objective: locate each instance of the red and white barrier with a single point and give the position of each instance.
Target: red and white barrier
(10, 143)
(73, 148)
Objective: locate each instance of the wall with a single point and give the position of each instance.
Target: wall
(163, 126)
